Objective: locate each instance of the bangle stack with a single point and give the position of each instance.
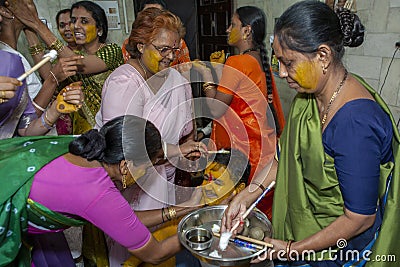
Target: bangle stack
(57, 45)
(45, 121)
(170, 214)
(36, 49)
(208, 86)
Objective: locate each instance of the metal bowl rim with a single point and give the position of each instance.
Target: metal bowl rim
(245, 259)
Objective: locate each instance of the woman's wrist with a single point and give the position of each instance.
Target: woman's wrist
(35, 24)
(258, 184)
(52, 113)
(249, 195)
(207, 75)
(209, 86)
(168, 214)
(288, 250)
(53, 78)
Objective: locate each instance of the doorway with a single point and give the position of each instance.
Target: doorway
(213, 18)
(205, 21)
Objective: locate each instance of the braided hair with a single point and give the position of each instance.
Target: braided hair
(255, 17)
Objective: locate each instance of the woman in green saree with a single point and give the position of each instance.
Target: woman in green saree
(337, 181)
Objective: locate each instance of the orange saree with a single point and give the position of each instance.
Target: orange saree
(244, 125)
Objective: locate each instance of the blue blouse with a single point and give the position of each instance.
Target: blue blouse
(359, 138)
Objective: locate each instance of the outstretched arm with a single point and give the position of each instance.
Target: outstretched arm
(246, 197)
(25, 11)
(36, 49)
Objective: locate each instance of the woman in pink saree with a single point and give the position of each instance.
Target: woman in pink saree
(147, 87)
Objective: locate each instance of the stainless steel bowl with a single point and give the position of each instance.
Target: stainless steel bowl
(205, 218)
(199, 238)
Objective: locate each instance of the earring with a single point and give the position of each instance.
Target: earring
(124, 181)
(99, 33)
(245, 37)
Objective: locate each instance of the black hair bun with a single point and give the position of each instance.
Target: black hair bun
(90, 145)
(352, 28)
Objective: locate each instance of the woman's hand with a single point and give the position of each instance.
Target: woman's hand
(70, 98)
(25, 11)
(8, 86)
(278, 251)
(192, 149)
(66, 67)
(235, 210)
(184, 69)
(74, 94)
(201, 67)
(217, 57)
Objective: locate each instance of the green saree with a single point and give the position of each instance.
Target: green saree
(307, 194)
(20, 159)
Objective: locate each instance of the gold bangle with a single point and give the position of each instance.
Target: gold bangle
(162, 214)
(172, 213)
(57, 45)
(36, 49)
(46, 119)
(289, 243)
(55, 78)
(167, 214)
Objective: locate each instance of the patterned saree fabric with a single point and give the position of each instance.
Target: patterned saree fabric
(24, 156)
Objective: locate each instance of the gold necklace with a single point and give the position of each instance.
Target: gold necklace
(333, 97)
(144, 70)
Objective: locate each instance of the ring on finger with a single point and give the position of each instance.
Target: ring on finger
(3, 94)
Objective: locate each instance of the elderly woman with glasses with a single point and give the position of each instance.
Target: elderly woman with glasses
(147, 87)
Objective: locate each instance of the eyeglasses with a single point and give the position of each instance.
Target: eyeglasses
(166, 50)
